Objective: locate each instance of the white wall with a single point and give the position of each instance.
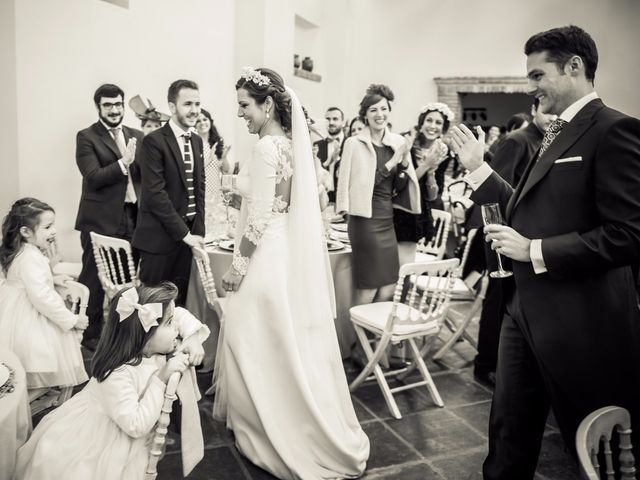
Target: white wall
(407, 43)
(9, 179)
(66, 48)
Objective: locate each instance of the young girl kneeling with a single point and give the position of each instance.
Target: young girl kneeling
(104, 431)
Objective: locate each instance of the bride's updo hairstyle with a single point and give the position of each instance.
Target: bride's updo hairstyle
(261, 83)
(375, 93)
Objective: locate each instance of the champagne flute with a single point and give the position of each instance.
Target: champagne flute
(226, 181)
(491, 216)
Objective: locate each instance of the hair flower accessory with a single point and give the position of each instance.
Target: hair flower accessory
(252, 75)
(443, 108)
(147, 313)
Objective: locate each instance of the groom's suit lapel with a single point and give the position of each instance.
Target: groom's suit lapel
(570, 134)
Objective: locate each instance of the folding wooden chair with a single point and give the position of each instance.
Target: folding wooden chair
(208, 283)
(467, 296)
(436, 247)
(114, 260)
(597, 427)
(76, 296)
(418, 316)
(159, 437)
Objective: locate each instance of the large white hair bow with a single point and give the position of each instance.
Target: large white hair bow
(147, 313)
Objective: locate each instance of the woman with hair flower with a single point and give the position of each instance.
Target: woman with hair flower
(430, 157)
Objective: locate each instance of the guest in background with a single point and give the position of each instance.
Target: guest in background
(171, 220)
(355, 127)
(330, 148)
(104, 432)
(427, 153)
(376, 175)
(34, 322)
(216, 163)
(519, 120)
(150, 118)
(105, 154)
(514, 153)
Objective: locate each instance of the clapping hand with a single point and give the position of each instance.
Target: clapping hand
(130, 154)
(470, 150)
(433, 156)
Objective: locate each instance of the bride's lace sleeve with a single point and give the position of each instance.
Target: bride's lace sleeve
(264, 176)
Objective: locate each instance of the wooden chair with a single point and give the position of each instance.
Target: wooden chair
(467, 296)
(114, 260)
(76, 296)
(419, 316)
(435, 248)
(159, 437)
(597, 427)
(208, 283)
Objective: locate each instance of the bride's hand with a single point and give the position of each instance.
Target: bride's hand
(231, 280)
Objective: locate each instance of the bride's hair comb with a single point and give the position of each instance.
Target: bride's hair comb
(250, 74)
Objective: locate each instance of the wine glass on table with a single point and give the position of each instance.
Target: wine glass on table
(227, 191)
(491, 215)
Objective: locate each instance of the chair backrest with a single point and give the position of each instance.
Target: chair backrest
(77, 296)
(438, 243)
(157, 445)
(206, 277)
(114, 260)
(471, 234)
(425, 306)
(597, 427)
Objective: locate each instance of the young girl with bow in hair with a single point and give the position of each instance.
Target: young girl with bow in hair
(103, 432)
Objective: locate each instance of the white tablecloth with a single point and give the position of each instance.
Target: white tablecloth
(220, 262)
(15, 416)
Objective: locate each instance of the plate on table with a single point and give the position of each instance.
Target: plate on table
(336, 219)
(226, 245)
(340, 227)
(4, 374)
(333, 245)
(342, 237)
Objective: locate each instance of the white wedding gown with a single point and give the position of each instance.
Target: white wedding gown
(280, 383)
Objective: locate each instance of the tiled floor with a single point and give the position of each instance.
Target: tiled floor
(428, 443)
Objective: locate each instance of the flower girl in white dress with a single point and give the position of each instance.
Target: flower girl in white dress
(104, 431)
(280, 382)
(34, 321)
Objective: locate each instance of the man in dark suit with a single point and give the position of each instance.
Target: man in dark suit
(571, 336)
(330, 148)
(510, 159)
(105, 154)
(171, 214)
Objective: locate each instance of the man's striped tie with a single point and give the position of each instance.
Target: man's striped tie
(188, 171)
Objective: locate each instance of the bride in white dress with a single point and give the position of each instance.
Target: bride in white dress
(280, 383)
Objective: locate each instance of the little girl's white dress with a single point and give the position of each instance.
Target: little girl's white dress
(103, 432)
(36, 325)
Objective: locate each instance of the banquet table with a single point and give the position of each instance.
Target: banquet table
(221, 260)
(15, 416)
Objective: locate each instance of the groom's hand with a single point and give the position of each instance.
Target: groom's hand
(506, 241)
(470, 150)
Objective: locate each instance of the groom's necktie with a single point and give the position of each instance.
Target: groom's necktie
(130, 195)
(552, 132)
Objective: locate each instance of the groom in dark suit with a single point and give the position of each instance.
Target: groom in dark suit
(105, 155)
(171, 214)
(571, 336)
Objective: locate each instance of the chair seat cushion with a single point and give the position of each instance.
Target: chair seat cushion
(374, 316)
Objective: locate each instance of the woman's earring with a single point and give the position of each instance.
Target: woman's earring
(267, 114)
